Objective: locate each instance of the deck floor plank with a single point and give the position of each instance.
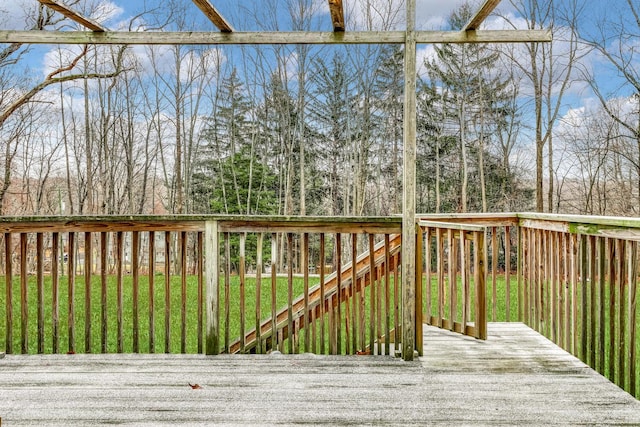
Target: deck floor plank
(516, 377)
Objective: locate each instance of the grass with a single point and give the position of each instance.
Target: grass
(495, 312)
(175, 303)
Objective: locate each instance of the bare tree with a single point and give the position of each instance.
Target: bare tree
(550, 69)
(617, 28)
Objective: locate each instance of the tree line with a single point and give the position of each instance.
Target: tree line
(307, 130)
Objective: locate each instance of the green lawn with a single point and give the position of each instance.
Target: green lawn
(128, 314)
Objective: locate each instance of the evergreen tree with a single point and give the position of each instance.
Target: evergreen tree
(469, 94)
(232, 177)
(329, 111)
(389, 90)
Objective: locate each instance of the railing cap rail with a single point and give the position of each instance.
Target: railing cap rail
(613, 221)
(452, 226)
(238, 223)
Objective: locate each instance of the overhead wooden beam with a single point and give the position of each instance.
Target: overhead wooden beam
(213, 15)
(482, 13)
(258, 38)
(73, 15)
(337, 15)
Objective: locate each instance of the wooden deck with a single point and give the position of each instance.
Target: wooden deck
(515, 377)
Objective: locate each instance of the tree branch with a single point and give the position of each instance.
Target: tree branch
(51, 79)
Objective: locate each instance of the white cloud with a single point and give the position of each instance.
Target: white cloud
(14, 13)
(375, 15)
(433, 14)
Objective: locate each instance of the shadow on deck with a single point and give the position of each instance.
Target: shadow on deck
(515, 377)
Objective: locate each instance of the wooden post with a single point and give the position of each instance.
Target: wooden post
(419, 261)
(409, 187)
(212, 273)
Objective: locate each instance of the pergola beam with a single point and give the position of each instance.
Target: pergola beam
(73, 15)
(337, 15)
(261, 38)
(213, 15)
(482, 13)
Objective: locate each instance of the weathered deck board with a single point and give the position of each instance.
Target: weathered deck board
(515, 377)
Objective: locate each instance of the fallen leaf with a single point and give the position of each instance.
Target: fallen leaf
(195, 386)
(363, 352)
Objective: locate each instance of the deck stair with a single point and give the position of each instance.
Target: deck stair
(314, 304)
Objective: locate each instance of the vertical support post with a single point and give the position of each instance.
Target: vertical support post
(409, 187)
(419, 274)
(212, 280)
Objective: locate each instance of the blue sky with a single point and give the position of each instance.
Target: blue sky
(250, 15)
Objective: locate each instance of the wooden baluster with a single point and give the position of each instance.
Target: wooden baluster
(259, 243)
(71, 256)
(241, 273)
(507, 271)
(612, 308)
(183, 292)
(494, 272)
(382, 307)
(119, 290)
(40, 290)
(602, 282)
(135, 290)
(556, 287)
(397, 302)
(104, 310)
(372, 297)
(24, 297)
(593, 301)
(305, 268)
(441, 284)
(352, 292)
(227, 291)
(323, 296)
(632, 271)
(453, 279)
(481, 306)
(167, 292)
(427, 256)
(8, 280)
(566, 306)
(465, 281)
(274, 286)
(622, 308)
(88, 263)
(55, 297)
(547, 285)
(584, 321)
(387, 298)
(290, 291)
(338, 323)
(418, 292)
(574, 292)
(200, 271)
(151, 275)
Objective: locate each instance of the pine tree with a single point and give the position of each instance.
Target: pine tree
(468, 92)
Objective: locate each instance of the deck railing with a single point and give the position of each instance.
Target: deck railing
(451, 260)
(571, 278)
(579, 280)
(141, 285)
(455, 298)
